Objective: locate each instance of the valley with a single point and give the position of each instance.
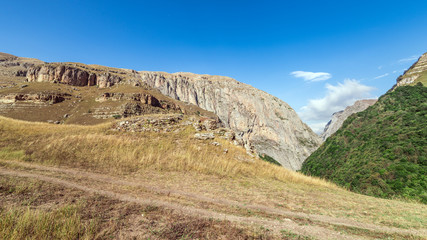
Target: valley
(189, 194)
(91, 152)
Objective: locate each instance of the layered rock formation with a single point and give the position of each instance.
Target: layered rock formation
(44, 97)
(71, 75)
(416, 73)
(339, 117)
(263, 122)
(12, 66)
(138, 97)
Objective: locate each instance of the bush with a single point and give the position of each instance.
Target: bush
(380, 151)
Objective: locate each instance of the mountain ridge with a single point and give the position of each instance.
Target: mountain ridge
(381, 151)
(264, 123)
(338, 118)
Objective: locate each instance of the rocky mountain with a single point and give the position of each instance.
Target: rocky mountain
(339, 117)
(66, 93)
(381, 151)
(416, 73)
(265, 124)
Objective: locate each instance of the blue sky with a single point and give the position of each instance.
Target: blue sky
(318, 56)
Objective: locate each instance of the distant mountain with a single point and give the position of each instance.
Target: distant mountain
(381, 151)
(339, 117)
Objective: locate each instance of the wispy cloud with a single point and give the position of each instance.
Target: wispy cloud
(337, 98)
(409, 59)
(380, 67)
(312, 76)
(381, 76)
(401, 70)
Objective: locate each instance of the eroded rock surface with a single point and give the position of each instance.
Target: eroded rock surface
(263, 122)
(416, 73)
(71, 75)
(14, 66)
(338, 118)
(44, 97)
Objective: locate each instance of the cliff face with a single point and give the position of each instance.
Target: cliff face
(339, 117)
(416, 73)
(264, 122)
(71, 75)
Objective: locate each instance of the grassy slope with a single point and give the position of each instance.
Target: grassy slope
(177, 161)
(380, 151)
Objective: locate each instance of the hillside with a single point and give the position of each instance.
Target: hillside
(416, 73)
(338, 118)
(109, 181)
(380, 151)
(91, 94)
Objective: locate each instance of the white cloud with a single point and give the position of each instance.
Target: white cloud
(380, 67)
(311, 76)
(337, 98)
(409, 59)
(381, 76)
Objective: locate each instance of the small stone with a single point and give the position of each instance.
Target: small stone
(197, 127)
(57, 122)
(25, 85)
(216, 143)
(66, 115)
(204, 136)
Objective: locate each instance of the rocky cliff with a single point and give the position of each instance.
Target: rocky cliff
(416, 73)
(264, 122)
(14, 66)
(74, 74)
(339, 117)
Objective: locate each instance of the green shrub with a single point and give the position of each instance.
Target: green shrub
(269, 159)
(380, 151)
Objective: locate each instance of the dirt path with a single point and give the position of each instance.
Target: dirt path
(276, 225)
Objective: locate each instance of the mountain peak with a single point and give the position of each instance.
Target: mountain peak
(416, 73)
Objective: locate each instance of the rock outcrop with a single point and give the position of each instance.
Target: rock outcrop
(263, 122)
(44, 97)
(14, 66)
(138, 97)
(66, 74)
(416, 73)
(338, 118)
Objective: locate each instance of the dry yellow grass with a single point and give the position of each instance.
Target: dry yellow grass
(98, 147)
(177, 161)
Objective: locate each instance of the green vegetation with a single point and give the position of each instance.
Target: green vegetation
(269, 159)
(381, 151)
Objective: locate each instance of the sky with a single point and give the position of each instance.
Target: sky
(318, 56)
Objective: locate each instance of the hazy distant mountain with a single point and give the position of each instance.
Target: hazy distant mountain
(339, 117)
